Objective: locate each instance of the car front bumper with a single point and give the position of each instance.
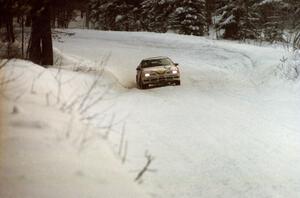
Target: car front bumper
(161, 79)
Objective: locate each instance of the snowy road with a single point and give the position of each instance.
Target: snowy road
(231, 130)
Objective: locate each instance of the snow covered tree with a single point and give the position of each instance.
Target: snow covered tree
(182, 16)
(250, 20)
(155, 14)
(228, 17)
(291, 13)
(94, 14)
(272, 21)
(240, 19)
(189, 17)
(114, 14)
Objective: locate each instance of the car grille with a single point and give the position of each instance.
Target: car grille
(161, 72)
(162, 79)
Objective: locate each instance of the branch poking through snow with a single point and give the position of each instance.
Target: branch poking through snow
(149, 158)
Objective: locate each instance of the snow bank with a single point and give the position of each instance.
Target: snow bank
(46, 150)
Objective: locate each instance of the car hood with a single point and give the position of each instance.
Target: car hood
(159, 68)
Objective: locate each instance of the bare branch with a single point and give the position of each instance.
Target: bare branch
(149, 158)
(122, 140)
(82, 103)
(3, 63)
(109, 127)
(125, 152)
(88, 106)
(10, 80)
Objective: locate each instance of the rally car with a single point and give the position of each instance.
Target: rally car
(157, 71)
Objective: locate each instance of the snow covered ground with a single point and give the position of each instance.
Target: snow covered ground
(48, 149)
(230, 130)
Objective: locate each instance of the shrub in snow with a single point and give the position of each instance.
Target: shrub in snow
(296, 41)
(290, 67)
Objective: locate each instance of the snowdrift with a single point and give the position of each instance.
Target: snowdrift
(48, 149)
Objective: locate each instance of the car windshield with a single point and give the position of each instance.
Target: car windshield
(156, 62)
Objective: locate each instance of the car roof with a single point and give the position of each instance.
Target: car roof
(156, 58)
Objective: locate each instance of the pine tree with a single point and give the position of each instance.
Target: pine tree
(250, 24)
(240, 19)
(291, 13)
(189, 17)
(114, 15)
(155, 14)
(210, 6)
(272, 20)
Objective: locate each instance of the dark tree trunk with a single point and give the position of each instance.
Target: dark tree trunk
(53, 17)
(22, 26)
(34, 48)
(209, 9)
(8, 19)
(231, 31)
(40, 47)
(10, 36)
(28, 20)
(47, 48)
(87, 17)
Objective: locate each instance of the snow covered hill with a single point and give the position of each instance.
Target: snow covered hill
(230, 130)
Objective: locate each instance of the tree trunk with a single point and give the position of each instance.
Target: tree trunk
(28, 20)
(231, 31)
(47, 48)
(40, 46)
(22, 35)
(209, 4)
(87, 17)
(10, 36)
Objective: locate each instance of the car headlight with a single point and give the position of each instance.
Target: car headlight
(147, 75)
(174, 72)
